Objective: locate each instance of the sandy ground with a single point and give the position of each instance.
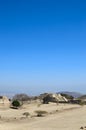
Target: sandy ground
(59, 117)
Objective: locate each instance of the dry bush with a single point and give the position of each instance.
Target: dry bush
(26, 114)
(41, 113)
(21, 97)
(39, 105)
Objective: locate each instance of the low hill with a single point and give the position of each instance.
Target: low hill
(82, 97)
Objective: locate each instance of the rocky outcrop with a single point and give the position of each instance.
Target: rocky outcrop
(54, 98)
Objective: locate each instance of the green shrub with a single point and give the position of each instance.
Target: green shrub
(16, 103)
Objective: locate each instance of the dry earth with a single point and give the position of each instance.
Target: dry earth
(59, 117)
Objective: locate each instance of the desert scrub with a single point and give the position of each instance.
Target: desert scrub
(26, 114)
(57, 110)
(41, 113)
(39, 105)
(82, 103)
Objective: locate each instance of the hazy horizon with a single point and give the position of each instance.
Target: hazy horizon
(42, 46)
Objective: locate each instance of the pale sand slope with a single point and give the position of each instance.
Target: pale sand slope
(66, 120)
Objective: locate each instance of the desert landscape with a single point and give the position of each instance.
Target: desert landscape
(42, 64)
(35, 115)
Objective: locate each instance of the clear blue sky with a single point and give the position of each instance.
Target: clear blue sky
(42, 45)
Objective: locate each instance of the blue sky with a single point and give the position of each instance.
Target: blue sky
(42, 46)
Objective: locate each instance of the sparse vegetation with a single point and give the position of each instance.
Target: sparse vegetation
(38, 105)
(26, 114)
(57, 110)
(41, 113)
(82, 103)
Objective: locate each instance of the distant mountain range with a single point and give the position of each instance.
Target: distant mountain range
(74, 94)
(9, 95)
(82, 97)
